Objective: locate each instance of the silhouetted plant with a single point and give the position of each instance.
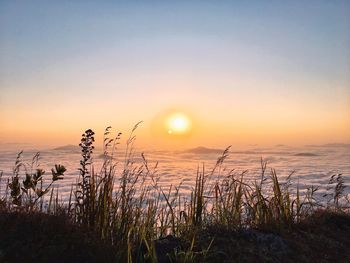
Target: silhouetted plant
(57, 172)
(83, 193)
(336, 187)
(26, 195)
(15, 186)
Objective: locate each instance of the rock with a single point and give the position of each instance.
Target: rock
(268, 242)
(165, 246)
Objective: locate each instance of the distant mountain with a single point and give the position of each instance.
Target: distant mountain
(306, 154)
(337, 145)
(345, 145)
(68, 147)
(203, 150)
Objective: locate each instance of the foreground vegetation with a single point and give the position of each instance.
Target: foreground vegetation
(128, 216)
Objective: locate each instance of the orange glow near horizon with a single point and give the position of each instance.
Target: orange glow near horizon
(187, 129)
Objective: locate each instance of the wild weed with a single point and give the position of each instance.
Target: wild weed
(28, 194)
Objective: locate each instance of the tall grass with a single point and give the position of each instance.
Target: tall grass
(130, 209)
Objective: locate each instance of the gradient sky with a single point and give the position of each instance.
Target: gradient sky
(245, 72)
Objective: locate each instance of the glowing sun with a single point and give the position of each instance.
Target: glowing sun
(177, 124)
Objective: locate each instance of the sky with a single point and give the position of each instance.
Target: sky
(243, 72)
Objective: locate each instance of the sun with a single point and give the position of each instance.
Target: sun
(178, 124)
(173, 125)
